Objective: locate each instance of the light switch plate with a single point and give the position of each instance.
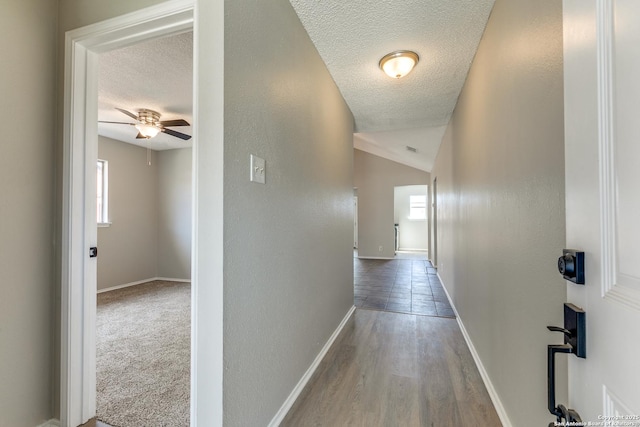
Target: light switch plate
(258, 169)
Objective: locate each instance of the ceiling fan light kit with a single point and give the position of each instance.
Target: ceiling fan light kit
(148, 121)
(149, 124)
(147, 130)
(399, 63)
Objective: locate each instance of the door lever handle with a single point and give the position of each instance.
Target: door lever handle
(559, 329)
(574, 329)
(574, 416)
(574, 343)
(558, 411)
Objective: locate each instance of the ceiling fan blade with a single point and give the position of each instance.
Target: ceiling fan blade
(133, 116)
(172, 123)
(117, 123)
(141, 136)
(176, 134)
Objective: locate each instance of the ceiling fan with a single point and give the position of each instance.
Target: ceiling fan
(149, 124)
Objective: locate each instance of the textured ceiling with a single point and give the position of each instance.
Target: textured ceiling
(155, 75)
(352, 36)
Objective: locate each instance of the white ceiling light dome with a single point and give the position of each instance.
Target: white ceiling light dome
(148, 130)
(399, 63)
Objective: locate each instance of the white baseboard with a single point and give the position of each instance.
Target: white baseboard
(50, 423)
(139, 282)
(493, 394)
(374, 257)
(173, 279)
(286, 406)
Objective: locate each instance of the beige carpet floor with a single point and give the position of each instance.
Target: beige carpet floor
(143, 355)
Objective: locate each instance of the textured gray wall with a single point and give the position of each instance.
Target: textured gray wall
(174, 213)
(375, 179)
(78, 13)
(128, 248)
(150, 214)
(288, 262)
(501, 224)
(27, 107)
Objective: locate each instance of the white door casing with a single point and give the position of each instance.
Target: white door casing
(355, 222)
(434, 215)
(79, 228)
(602, 158)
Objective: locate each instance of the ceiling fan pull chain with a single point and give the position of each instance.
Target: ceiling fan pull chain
(148, 156)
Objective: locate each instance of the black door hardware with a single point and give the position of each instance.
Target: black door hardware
(574, 343)
(566, 416)
(571, 265)
(574, 330)
(93, 252)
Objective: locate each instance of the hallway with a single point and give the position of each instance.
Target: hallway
(392, 369)
(403, 285)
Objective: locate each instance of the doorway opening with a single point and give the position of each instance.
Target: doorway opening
(355, 222)
(144, 233)
(79, 231)
(410, 220)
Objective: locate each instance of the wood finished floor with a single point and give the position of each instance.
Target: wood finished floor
(393, 369)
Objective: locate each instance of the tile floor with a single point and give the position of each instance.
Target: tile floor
(402, 285)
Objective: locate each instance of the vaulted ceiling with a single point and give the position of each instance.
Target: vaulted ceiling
(351, 37)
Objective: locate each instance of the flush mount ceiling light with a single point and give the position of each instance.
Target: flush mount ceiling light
(399, 63)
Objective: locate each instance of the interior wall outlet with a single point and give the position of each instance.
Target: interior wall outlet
(379, 248)
(258, 170)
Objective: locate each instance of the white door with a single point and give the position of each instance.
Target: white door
(602, 155)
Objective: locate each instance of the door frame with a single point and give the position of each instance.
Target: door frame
(434, 206)
(80, 139)
(355, 222)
